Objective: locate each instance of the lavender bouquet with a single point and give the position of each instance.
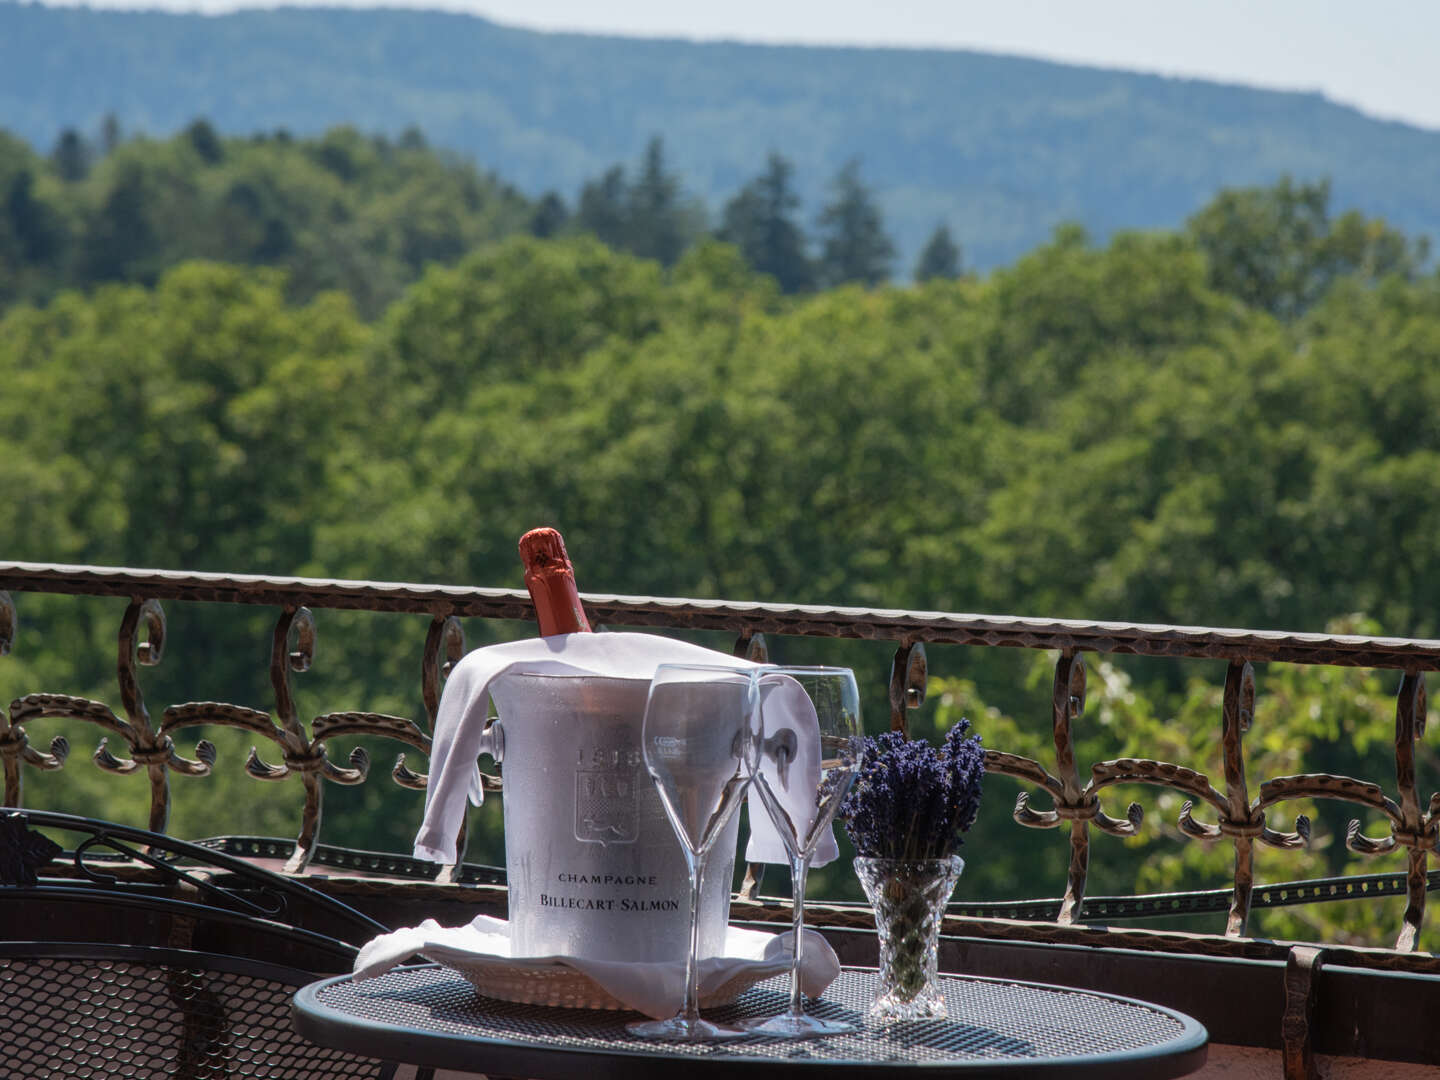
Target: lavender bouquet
(910, 800)
(907, 813)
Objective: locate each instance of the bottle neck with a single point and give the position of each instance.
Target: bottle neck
(551, 581)
(557, 603)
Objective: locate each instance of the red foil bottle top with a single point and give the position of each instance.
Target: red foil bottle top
(551, 581)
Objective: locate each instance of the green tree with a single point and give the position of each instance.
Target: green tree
(603, 208)
(71, 156)
(660, 224)
(33, 225)
(343, 211)
(205, 142)
(207, 402)
(940, 257)
(854, 247)
(1277, 248)
(110, 134)
(120, 241)
(649, 217)
(519, 308)
(759, 221)
(344, 152)
(550, 216)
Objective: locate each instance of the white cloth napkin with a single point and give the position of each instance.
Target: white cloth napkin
(465, 703)
(656, 989)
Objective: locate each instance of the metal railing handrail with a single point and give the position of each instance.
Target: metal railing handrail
(936, 627)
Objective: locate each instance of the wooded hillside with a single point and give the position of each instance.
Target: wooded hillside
(998, 148)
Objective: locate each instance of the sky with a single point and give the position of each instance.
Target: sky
(1377, 55)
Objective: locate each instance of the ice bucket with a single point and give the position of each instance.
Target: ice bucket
(595, 869)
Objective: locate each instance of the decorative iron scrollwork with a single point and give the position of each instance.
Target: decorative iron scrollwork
(447, 635)
(8, 623)
(1071, 802)
(1242, 821)
(751, 645)
(292, 648)
(15, 751)
(1239, 819)
(909, 676)
(403, 775)
(293, 645)
(1412, 827)
(148, 749)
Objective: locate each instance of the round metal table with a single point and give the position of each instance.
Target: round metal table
(430, 1015)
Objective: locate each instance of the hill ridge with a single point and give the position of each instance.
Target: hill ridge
(1000, 147)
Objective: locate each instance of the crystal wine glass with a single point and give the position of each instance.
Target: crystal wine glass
(808, 717)
(699, 743)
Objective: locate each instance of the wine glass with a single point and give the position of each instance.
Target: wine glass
(699, 744)
(808, 717)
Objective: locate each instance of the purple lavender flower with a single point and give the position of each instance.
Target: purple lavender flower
(910, 800)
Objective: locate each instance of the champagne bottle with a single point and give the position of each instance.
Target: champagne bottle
(551, 581)
(592, 864)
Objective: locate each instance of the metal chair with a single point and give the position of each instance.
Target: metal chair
(97, 1010)
(145, 956)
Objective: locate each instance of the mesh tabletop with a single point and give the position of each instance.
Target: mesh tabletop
(431, 1015)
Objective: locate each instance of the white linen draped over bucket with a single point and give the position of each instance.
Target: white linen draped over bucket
(465, 705)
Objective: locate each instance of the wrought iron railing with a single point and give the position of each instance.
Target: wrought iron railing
(1240, 817)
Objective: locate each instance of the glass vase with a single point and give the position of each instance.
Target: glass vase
(908, 897)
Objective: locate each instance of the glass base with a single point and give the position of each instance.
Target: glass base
(680, 1029)
(786, 1026)
(889, 1008)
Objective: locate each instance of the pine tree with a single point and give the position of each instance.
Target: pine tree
(37, 232)
(206, 142)
(603, 206)
(549, 217)
(71, 156)
(648, 218)
(110, 134)
(940, 257)
(656, 225)
(757, 221)
(120, 240)
(854, 244)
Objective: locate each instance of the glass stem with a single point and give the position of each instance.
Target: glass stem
(692, 961)
(799, 870)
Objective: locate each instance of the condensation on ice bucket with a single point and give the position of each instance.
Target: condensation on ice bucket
(595, 869)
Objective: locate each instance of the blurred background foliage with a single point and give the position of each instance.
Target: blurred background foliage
(350, 357)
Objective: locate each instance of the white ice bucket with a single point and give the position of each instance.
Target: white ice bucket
(595, 869)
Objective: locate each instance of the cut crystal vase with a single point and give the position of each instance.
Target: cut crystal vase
(909, 898)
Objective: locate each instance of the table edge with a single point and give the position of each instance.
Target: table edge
(1185, 1054)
